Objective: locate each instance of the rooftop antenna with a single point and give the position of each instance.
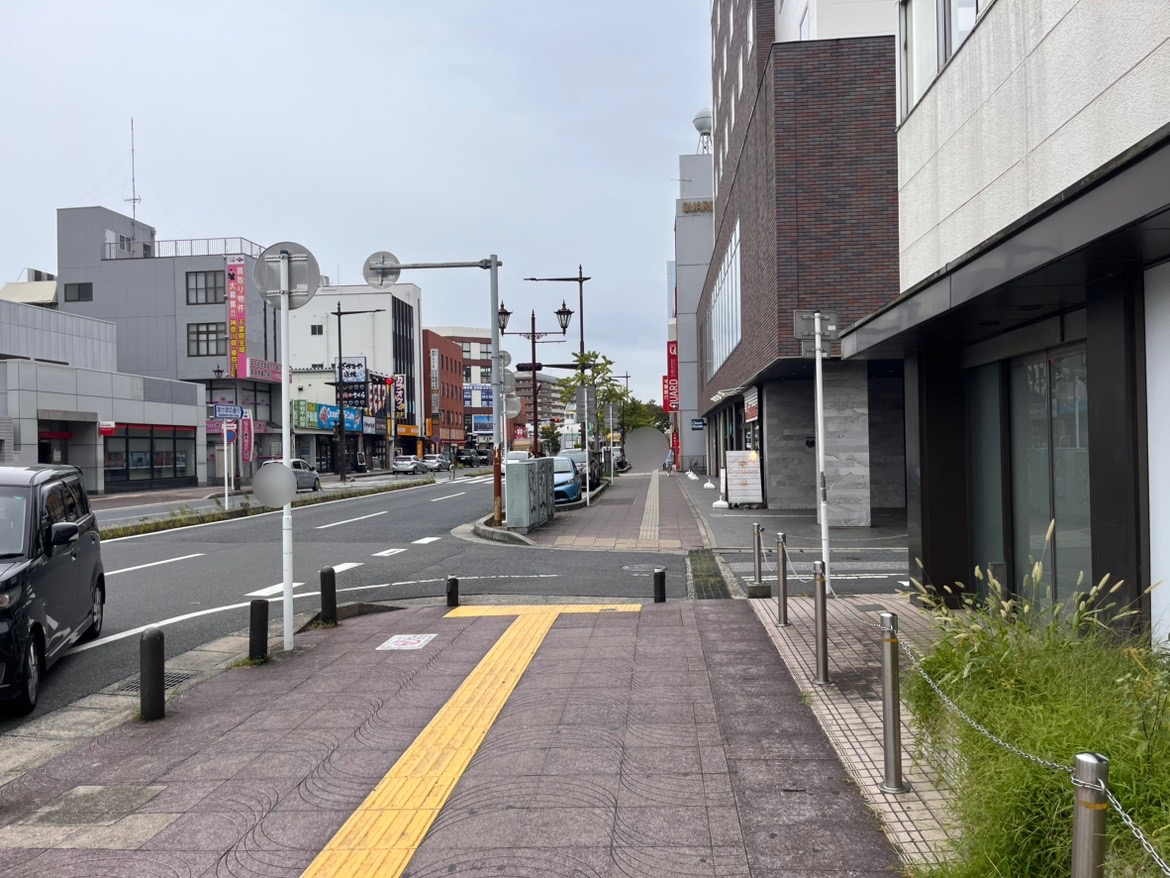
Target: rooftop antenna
(703, 122)
(133, 199)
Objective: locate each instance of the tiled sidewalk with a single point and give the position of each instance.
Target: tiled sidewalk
(850, 710)
(637, 512)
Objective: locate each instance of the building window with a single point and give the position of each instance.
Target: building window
(82, 292)
(125, 243)
(466, 374)
(317, 329)
(467, 350)
(206, 339)
(961, 15)
(751, 25)
(740, 72)
(724, 326)
(806, 25)
(485, 350)
(205, 288)
(485, 375)
(932, 31)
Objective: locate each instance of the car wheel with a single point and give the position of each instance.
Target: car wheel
(99, 613)
(30, 682)
(316, 484)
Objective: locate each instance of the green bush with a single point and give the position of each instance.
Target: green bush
(1053, 681)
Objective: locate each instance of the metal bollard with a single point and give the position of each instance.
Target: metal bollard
(151, 667)
(328, 596)
(758, 551)
(782, 580)
(891, 708)
(258, 630)
(660, 585)
(452, 591)
(1090, 777)
(822, 625)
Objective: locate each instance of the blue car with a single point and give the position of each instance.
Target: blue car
(566, 481)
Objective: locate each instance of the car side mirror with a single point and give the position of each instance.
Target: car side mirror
(63, 533)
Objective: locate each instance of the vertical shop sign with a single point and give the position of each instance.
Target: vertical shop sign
(399, 397)
(237, 313)
(246, 437)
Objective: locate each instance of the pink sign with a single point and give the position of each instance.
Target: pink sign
(246, 437)
(261, 370)
(237, 312)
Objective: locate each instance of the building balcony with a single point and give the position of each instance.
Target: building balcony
(182, 247)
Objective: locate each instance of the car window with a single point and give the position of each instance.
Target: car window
(562, 465)
(54, 505)
(75, 494)
(13, 523)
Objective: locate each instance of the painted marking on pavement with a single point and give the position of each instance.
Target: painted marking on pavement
(448, 497)
(381, 836)
(387, 553)
(348, 565)
(406, 641)
(271, 590)
(426, 540)
(154, 564)
(351, 520)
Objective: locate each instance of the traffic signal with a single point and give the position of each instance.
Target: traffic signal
(529, 367)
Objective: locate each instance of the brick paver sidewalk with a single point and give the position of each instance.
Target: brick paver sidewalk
(643, 511)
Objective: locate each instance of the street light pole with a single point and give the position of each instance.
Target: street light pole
(535, 393)
(564, 315)
(341, 382)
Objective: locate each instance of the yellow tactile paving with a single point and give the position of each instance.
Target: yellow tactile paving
(381, 836)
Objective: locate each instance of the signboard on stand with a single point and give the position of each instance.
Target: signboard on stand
(743, 478)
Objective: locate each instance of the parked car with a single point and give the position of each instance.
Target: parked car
(513, 456)
(436, 463)
(408, 464)
(566, 480)
(483, 456)
(465, 457)
(579, 456)
(307, 476)
(52, 584)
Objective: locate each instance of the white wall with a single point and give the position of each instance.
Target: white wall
(1042, 93)
(833, 19)
(1157, 296)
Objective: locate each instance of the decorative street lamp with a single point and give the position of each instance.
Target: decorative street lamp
(579, 280)
(563, 315)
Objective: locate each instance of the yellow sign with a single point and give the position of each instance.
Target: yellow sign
(407, 430)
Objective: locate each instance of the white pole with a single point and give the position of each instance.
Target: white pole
(822, 486)
(286, 450)
(226, 458)
(610, 407)
(587, 461)
(497, 372)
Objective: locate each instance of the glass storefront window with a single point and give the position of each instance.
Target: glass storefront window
(1070, 471)
(185, 456)
(987, 543)
(115, 460)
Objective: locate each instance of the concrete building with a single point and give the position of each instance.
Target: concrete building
(694, 235)
(384, 343)
(61, 401)
(1034, 296)
(178, 315)
(805, 217)
(443, 379)
(548, 399)
(478, 419)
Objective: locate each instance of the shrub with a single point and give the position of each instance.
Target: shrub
(1052, 681)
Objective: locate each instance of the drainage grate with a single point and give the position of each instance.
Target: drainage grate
(870, 608)
(171, 679)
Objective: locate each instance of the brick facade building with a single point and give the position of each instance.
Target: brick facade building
(443, 393)
(805, 217)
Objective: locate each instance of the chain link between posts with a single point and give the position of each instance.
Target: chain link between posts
(958, 711)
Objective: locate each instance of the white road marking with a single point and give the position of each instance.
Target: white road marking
(351, 520)
(154, 564)
(348, 565)
(270, 591)
(426, 540)
(387, 553)
(122, 635)
(448, 497)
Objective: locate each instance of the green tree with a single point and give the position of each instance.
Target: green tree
(550, 439)
(597, 373)
(645, 414)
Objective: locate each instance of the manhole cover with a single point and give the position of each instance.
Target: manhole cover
(640, 568)
(171, 679)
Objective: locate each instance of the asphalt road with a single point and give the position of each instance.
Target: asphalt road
(196, 582)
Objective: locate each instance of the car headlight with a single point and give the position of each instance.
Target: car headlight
(9, 597)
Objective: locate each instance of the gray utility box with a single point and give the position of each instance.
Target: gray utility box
(529, 489)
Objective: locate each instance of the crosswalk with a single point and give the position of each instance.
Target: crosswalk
(272, 591)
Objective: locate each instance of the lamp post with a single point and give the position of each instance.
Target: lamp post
(564, 315)
(579, 280)
(341, 382)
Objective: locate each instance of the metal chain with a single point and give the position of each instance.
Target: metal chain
(833, 594)
(1137, 833)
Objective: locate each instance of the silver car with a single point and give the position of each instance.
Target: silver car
(409, 464)
(437, 463)
(307, 477)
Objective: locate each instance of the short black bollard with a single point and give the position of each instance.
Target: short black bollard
(151, 665)
(660, 585)
(258, 630)
(328, 596)
(452, 591)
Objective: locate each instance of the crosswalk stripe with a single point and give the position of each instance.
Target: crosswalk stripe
(387, 553)
(270, 591)
(426, 540)
(348, 565)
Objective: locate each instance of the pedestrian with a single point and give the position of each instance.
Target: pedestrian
(669, 464)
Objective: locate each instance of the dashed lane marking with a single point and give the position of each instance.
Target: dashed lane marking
(448, 497)
(153, 564)
(387, 553)
(382, 835)
(270, 591)
(426, 540)
(351, 520)
(348, 565)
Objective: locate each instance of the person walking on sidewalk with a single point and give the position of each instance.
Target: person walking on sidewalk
(668, 465)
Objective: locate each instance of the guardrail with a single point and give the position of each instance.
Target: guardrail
(182, 247)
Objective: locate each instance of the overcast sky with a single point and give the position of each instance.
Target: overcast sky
(441, 130)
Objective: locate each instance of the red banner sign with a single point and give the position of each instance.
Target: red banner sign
(672, 360)
(246, 437)
(237, 312)
(669, 394)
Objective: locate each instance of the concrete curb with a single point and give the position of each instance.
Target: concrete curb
(485, 531)
(580, 504)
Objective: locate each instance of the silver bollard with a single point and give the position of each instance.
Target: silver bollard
(782, 580)
(758, 551)
(891, 708)
(822, 625)
(1090, 776)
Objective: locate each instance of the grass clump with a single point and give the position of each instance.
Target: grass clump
(1054, 681)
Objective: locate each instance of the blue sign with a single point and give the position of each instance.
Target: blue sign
(698, 424)
(327, 418)
(477, 396)
(482, 424)
(228, 412)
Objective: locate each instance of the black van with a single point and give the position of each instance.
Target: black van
(52, 586)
